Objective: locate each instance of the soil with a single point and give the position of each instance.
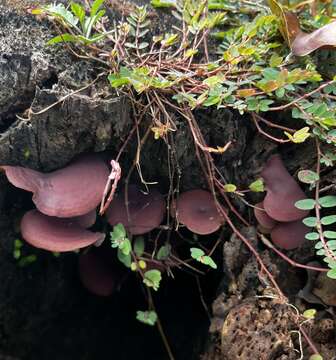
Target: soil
(45, 313)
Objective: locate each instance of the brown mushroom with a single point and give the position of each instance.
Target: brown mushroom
(282, 192)
(146, 211)
(96, 273)
(289, 235)
(55, 234)
(197, 210)
(265, 221)
(72, 191)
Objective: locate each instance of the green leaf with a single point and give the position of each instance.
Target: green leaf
(95, 7)
(310, 221)
(330, 234)
(230, 188)
(328, 220)
(147, 317)
(206, 260)
(312, 236)
(163, 3)
(308, 176)
(125, 259)
(332, 273)
(306, 204)
(310, 313)
(152, 279)
(118, 232)
(196, 253)
(62, 38)
(257, 186)
(78, 11)
(299, 136)
(61, 12)
(27, 260)
(163, 252)
(315, 357)
(125, 247)
(328, 201)
(139, 246)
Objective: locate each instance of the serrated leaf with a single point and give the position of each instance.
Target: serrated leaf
(257, 186)
(328, 201)
(306, 204)
(152, 279)
(312, 236)
(139, 246)
(308, 176)
(310, 221)
(328, 220)
(147, 317)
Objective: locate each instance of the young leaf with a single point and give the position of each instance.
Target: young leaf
(196, 253)
(230, 188)
(163, 3)
(299, 136)
(257, 186)
(206, 260)
(152, 279)
(310, 313)
(315, 357)
(118, 232)
(147, 317)
(306, 204)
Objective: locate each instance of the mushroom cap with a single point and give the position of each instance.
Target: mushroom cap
(72, 191)
(282, 192)
(289, 235)
(146, 211)
(96, 273)
(263, 219)
(196, 209)
(55, 234)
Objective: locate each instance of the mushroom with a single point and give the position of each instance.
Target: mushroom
(55, 234)
(197, 210)
(146, 211)
(265, 221)
(282, 192)
(96, 273)
(72, 191)
(289, 235)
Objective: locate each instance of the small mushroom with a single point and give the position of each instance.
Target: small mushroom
(55, 234)
(266, 222)
(146, 211)
(96, 273)
(196, 209)
(282, 192)
(289, 235)
(72, 191)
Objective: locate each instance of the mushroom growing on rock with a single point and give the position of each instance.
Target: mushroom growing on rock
(265, 221)
(289, 235)
(197, 210)
(72, 191)
(282, 192)
(56, 234)
(96, 273)
(145, 211)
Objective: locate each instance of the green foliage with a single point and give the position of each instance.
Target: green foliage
(257, 186)
(326, 239)
(199, 255)
(164, 252)
(152, 279)
(22, 260)
(316, 357)
(147, 317)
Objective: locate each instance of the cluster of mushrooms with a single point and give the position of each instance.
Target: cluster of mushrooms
(277, 213)
(66, 202)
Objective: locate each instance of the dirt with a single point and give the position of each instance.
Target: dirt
(50, 112)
